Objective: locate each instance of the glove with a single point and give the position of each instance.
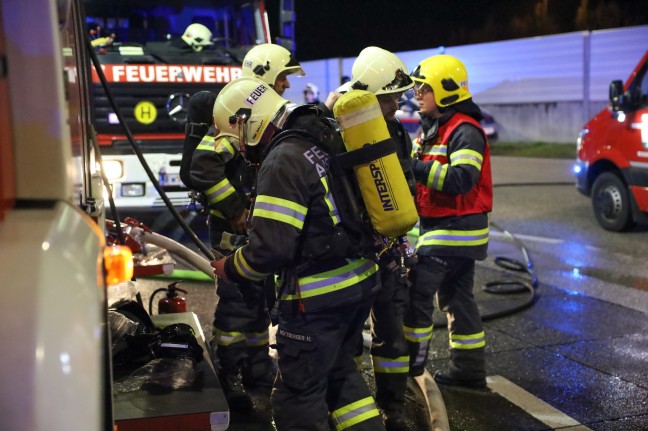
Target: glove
(201, 106)
(219, 268)
(239, 223)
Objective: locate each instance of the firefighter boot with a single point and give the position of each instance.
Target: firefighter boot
(394, 419)
(237, 398)
(259, 370)
(390, 397)
(444, 378)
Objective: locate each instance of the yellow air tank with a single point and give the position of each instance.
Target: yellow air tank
(381, 181)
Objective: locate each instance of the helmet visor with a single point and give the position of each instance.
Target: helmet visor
(293, 66)
(401, 82)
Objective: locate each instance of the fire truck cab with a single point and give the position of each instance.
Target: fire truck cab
(151, 73)
(612, 154)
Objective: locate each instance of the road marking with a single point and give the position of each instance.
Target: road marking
(533, 405)
(495, 233)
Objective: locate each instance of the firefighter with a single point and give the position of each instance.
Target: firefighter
(384, 74)
(324, 292)
(240, 339)
(272, 64)
(454, 199)
(240, 333)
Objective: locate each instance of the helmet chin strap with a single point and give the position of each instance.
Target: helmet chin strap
(239, 120)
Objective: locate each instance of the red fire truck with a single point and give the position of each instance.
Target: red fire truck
(152, 82)
(612, 155)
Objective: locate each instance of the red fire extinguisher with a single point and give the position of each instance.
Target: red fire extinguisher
(172, 303)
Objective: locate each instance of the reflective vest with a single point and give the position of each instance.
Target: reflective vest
(430, 200)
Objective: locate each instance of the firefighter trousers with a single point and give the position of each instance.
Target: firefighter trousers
(389, 350)
(451, 279)
(318, 383)
(241, 323)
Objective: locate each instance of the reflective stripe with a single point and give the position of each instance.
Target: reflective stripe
(226, 149)
(244, 268)
(207, 143)
(454, 238)
(354, 413)
(437, 175)
(421, 354)
(330, 281)
(223, 338)
(217, 213)
(390, 365)
(414, 232)
(415, 148)
(330, 203)
(416, 335)
(467, 342)
(466, 157)
(435, 150)
(360, 116)
(220, 191)
(280, 210)
(257, 338)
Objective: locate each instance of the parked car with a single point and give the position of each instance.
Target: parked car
(408, 116)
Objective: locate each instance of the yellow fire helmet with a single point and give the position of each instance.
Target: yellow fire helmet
(246, 107)
(380, 72)
(447, 76)
(197, 36)
(267, 61)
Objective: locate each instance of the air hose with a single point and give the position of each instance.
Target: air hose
(512, 286)
(131, 140)
(515, 286)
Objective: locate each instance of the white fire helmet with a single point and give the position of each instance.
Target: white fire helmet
(380, 72)
(267, 61)
(197, 36)
(247, 108)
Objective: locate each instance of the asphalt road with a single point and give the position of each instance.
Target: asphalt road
(570, 353)
(537, 201)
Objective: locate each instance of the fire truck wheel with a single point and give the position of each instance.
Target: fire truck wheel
(611, 203)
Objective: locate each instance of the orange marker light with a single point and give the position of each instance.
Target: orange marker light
(118, 261)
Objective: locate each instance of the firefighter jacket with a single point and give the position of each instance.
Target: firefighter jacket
(454, 188)
(221, 175)
(294, 209)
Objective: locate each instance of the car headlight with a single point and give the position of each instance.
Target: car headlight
(113, 169)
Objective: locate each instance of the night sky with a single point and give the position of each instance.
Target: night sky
(342, 28)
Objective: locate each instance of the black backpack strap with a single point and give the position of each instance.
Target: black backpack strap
(196, 130)
(368, 153)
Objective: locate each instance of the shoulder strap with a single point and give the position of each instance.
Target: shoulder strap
(368, 153)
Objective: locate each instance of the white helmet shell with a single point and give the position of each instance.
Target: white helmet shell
(251, 101)
(197, 36)
(267, 61)
(380, 72)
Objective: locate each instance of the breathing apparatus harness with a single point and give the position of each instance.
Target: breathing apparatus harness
(354, 237)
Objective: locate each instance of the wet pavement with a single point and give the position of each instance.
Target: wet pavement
(568, 353)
